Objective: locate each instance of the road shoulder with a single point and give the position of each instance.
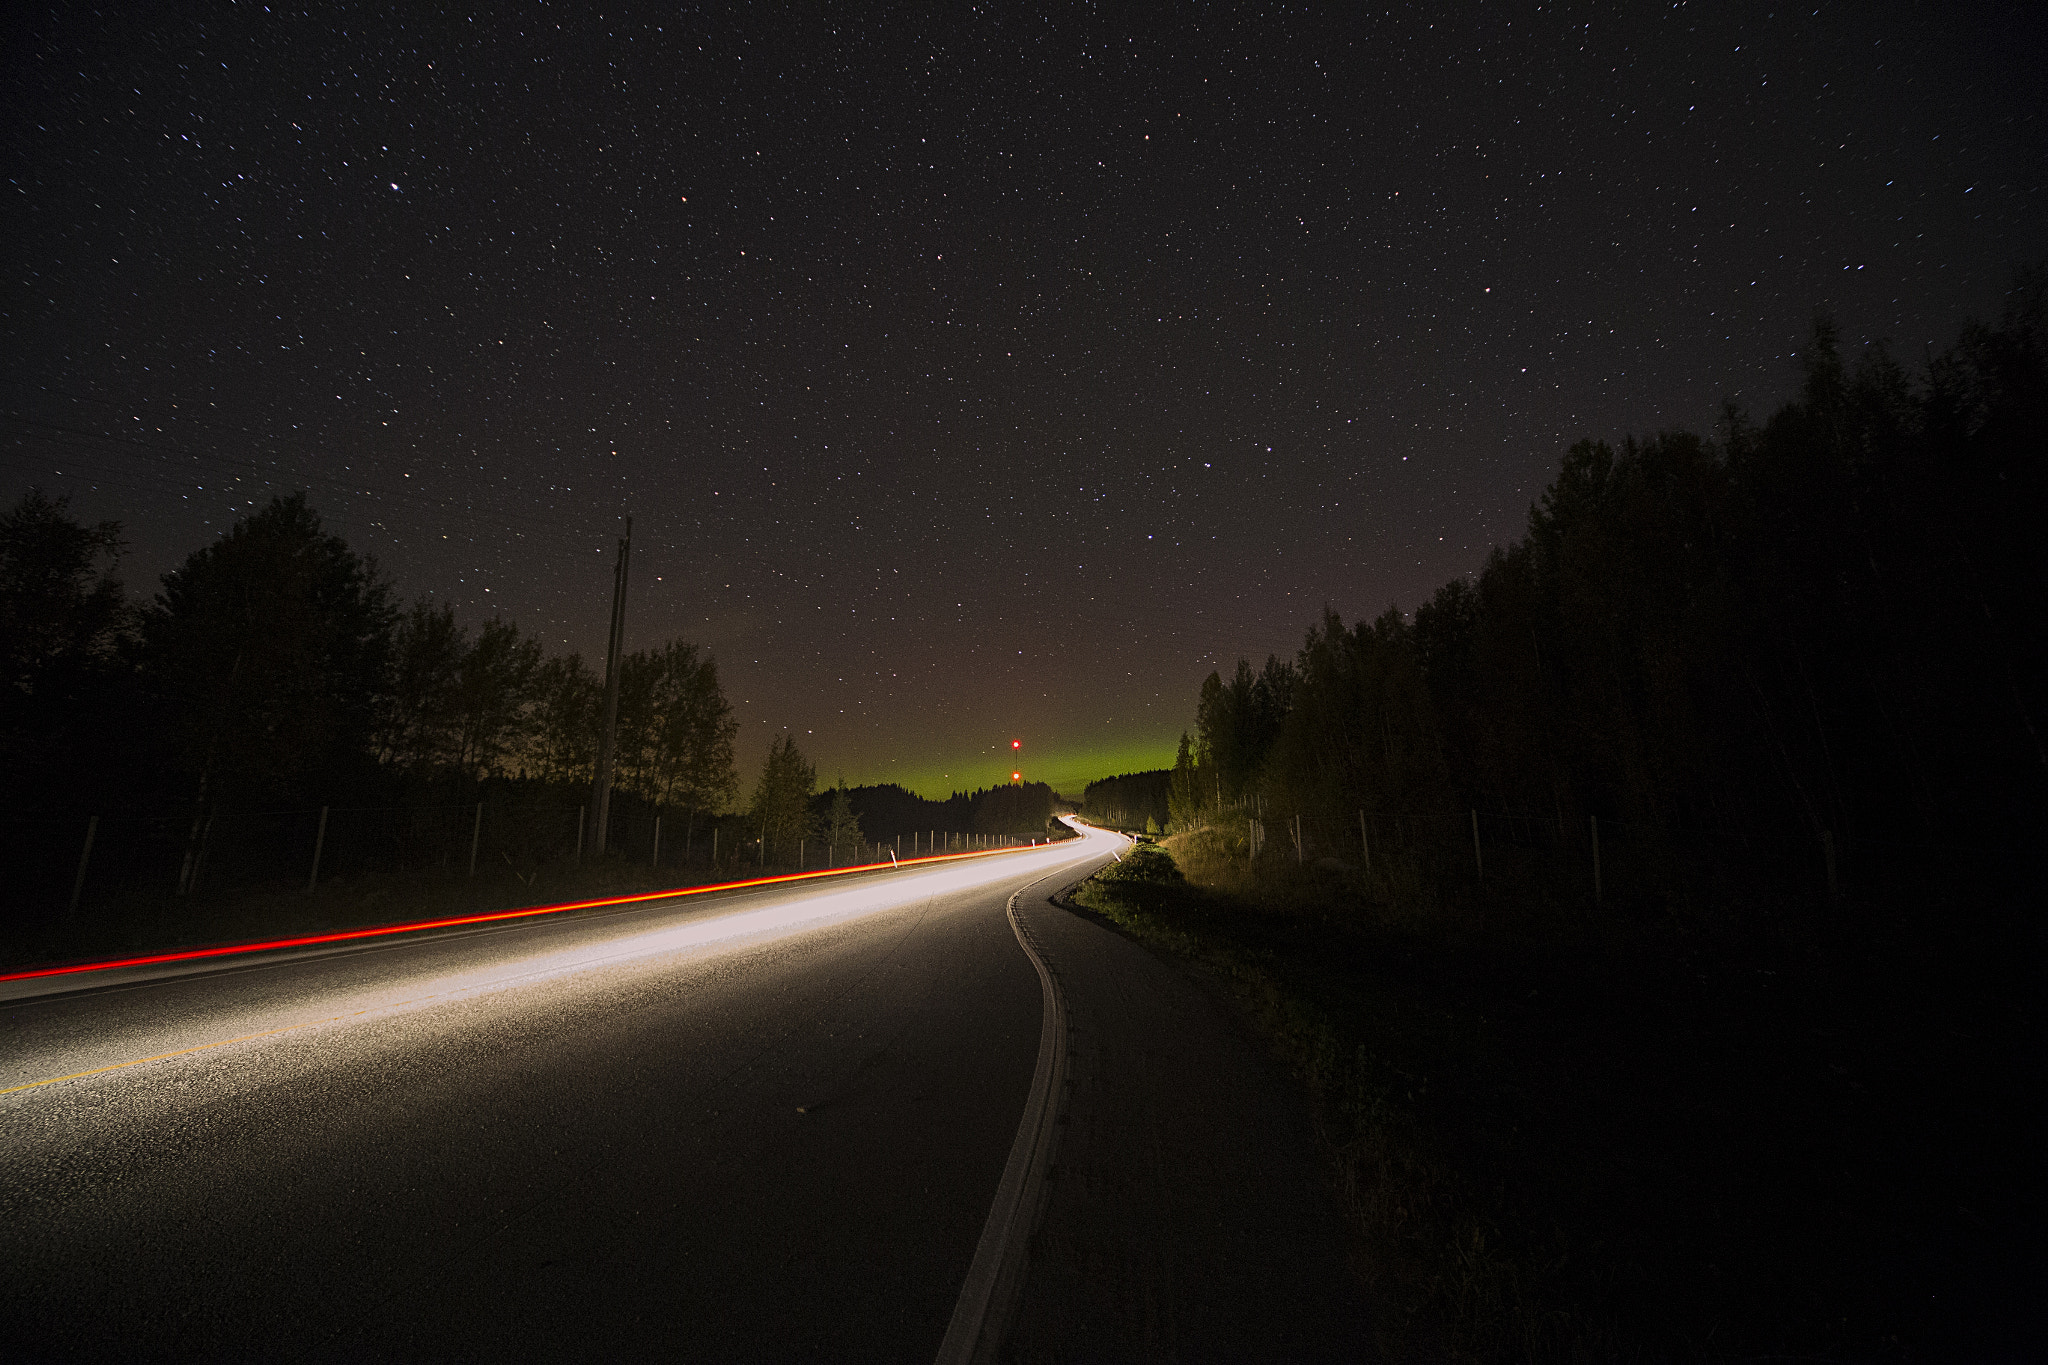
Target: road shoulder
(1190, 1215)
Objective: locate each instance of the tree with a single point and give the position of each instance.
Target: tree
(458, 705)
(682, 729)
(1358, 732)
(417, 729)
(1217, 730)
(63, 619)
(59, 613)
(269, 651)
(782, 802)
(1813, 625)
(561, 745)
(842, 826)
(1011, 808)
(1184, 798)
(1239, 721)
(633, 744)
(1128, 799)
(493, 699)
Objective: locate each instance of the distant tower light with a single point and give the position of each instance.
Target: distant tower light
(1016, 744)
(1016, 777)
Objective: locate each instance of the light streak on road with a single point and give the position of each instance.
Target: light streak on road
(508, 963)
(487, 917)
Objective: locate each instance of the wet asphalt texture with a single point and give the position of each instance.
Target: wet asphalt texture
(601, 1136)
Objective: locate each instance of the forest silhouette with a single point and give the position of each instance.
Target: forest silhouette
(274, 679)
(1654, 915)
(1825, 627)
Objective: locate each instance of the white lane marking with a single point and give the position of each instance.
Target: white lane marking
(998, 1269)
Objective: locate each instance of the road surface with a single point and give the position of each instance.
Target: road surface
(768, 1124)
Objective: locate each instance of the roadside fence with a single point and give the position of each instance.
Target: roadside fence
(1603, 860)
(65, 863)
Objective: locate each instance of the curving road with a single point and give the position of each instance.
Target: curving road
(770, 1124)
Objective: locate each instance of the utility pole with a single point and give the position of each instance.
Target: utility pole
(614, 656)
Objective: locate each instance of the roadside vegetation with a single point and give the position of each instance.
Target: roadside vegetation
(1655, 913)
(273, 744)
(1608, 1139)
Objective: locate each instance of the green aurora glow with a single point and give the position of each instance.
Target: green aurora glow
(1067, 769)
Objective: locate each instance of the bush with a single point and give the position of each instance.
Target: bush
(1143, 865)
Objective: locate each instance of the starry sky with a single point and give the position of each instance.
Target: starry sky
(973, 373)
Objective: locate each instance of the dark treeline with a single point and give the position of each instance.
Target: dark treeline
(276, 669)
(1828, 625)
(275, 672)
(790, 820)
(888, 811)
(1130, 800)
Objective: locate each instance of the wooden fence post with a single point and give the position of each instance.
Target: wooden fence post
(92, 828)
(655, 861)
(1364, 844)
(582, 814)
(476, 838)
(1477, 859)
(205, 843)
(319, 844)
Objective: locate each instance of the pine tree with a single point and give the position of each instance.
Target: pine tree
(782, 802)
(1184, 799)
(842, 825)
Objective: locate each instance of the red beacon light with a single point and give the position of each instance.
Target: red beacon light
(1016, 744)
(1016, 777)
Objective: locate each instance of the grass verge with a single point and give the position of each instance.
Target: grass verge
(1600, 1140)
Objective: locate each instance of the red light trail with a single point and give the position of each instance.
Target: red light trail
(529, 912)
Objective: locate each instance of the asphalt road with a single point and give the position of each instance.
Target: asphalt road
(764, 1125)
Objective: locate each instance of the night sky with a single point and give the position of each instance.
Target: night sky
(968, 378)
